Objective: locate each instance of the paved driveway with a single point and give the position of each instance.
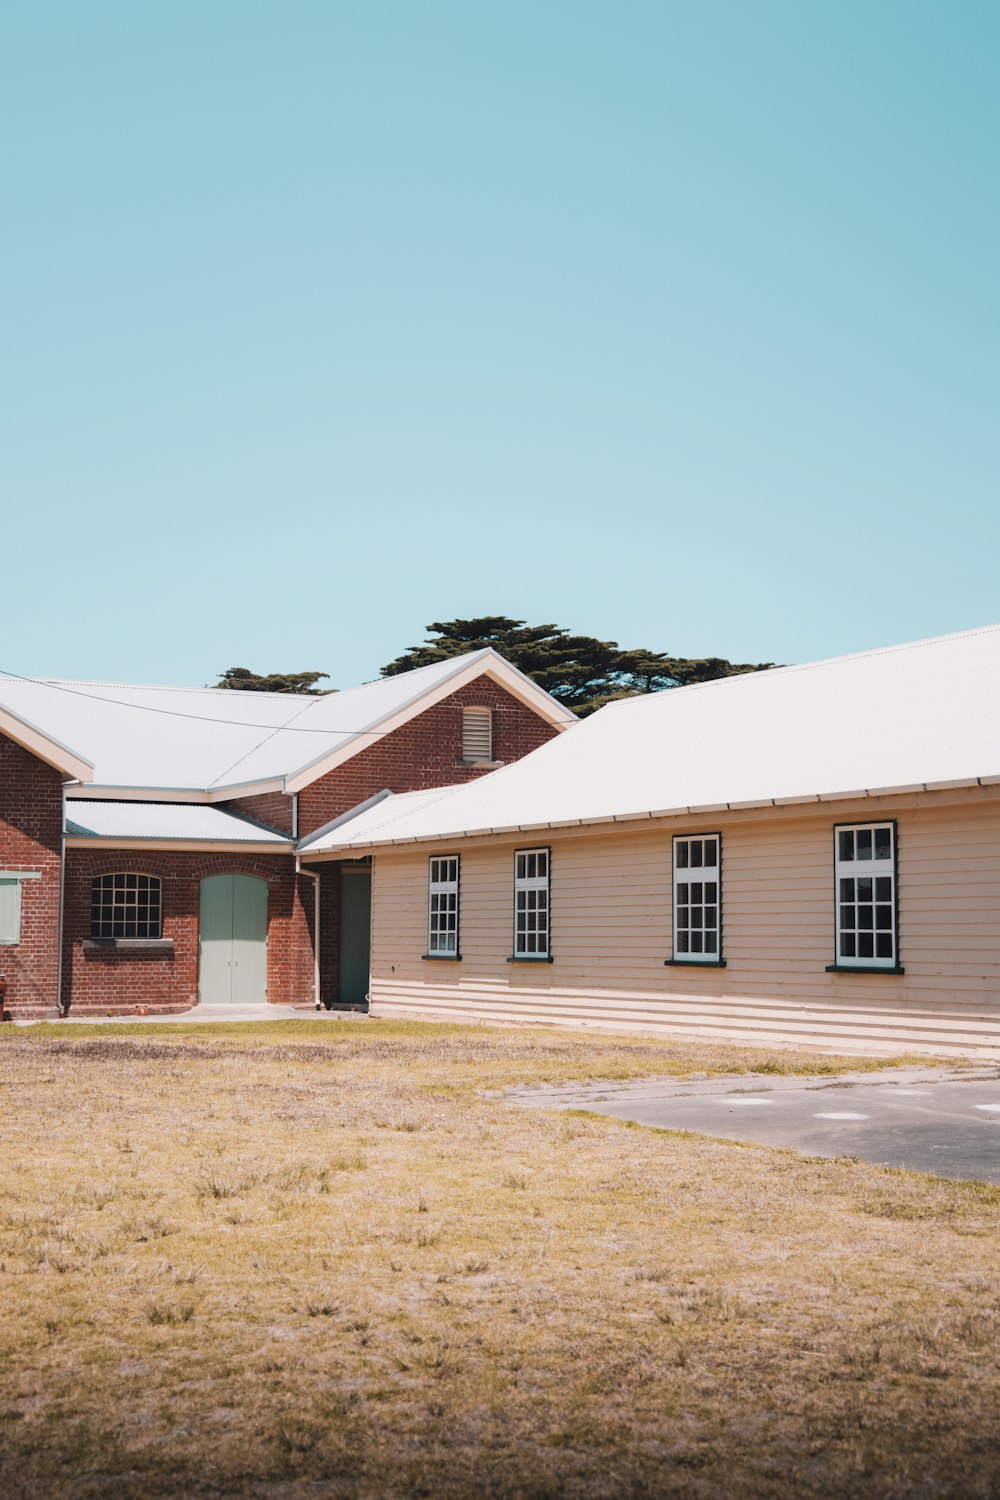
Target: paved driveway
(941, 1120)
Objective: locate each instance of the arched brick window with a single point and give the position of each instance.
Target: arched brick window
(125, 906)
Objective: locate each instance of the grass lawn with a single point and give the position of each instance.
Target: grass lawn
(298, 1260)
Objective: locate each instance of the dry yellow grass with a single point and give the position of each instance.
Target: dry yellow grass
(304, 1261)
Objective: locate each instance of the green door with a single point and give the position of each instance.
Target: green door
(355, 935)
(232, 958)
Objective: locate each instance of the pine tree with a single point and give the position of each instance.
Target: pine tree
(581, 671)
(242, 680)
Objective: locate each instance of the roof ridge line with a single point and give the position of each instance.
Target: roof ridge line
(808, 666)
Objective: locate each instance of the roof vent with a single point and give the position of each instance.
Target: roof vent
(477, 734)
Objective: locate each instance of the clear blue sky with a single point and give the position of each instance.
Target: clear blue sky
(675, 323)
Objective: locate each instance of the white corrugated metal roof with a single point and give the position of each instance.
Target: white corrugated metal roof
(201, 739)
(373, 817)
(168, 821)
(900, 717)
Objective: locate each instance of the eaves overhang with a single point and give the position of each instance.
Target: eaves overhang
(207, 846)
(200, 795)
(763, 804)
(485, 664)
(52, 751)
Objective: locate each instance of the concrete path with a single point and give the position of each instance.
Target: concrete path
(204, 1014)
(940, 1120)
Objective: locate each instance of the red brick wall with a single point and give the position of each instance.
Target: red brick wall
(272, 808)
(31, 839)
(119, 981)
(424, 753)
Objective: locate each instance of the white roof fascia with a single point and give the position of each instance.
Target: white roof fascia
(519, 685)
(345, 817)
(208, 846)
(173, 793)
(53, 752)
(617, 820)
(483, 664)
(316, 856)
(135, 794)
(246, 789)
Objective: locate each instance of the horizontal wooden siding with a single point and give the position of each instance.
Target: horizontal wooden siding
(611, 932)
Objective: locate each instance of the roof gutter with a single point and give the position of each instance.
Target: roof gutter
(815, 799)
(181, 845)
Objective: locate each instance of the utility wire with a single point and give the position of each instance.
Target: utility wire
(174, 713)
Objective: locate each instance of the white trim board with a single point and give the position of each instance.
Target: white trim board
(181, 846)
(493, 666)
(41, 745)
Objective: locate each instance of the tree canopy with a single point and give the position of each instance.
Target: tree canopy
(581, 671)
(242, 680)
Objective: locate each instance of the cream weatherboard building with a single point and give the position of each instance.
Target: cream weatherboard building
(808, 855)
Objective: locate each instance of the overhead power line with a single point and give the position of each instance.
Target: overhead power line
(175, 713)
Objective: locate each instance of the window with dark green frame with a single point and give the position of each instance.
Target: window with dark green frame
(531, 903)
(442, 907)
(697, 898)
(865, 875)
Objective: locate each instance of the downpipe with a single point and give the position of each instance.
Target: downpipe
(314, 877)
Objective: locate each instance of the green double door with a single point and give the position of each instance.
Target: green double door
(232, 956)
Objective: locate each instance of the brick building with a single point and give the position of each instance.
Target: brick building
(152, 839)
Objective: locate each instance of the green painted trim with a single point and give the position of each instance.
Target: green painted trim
(694, 963)
(861, 968)
(532, 958)
(20, 874)
(687, 963)
(442, 958)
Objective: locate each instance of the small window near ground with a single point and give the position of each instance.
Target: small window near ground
(10, 911)
(125, 906)
(531, 903)
(865, 874)
(697, 892)
(477, 734)
(442, 915)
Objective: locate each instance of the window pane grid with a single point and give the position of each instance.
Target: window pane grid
(531, 903)
(866, 895)
(442, 908)
(125, 906)
(697, 907)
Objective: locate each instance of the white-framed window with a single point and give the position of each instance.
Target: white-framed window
(532, 869)
(442, 907)
(865, 874)
(698, 898)
(124, 905)
(477, 734)
(11, 882)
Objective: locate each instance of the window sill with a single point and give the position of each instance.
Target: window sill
(865, 969)
(694, 963)
(128, 945)
(441, 958)
(530, 958)
(484, 765)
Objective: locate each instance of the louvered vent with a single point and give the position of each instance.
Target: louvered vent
(477, 733)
